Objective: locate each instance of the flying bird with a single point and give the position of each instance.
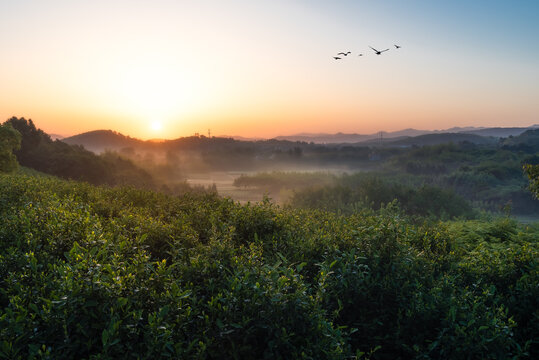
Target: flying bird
(344, 53)
(397, 47)
(337, 58)
(360, 55)
(378, 52)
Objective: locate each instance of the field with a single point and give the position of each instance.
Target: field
(224, 184)
(253, 186)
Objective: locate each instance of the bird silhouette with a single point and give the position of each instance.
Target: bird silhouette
(337, 58)
(344, 53)
(360, 55)
(397, 47)
(378, 52)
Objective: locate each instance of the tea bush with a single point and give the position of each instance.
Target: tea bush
(96, 273)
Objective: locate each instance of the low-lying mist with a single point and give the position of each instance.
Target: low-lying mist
(338, 177)
(232, 174)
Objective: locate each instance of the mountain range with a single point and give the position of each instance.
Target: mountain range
(324, 138)
(101, 140)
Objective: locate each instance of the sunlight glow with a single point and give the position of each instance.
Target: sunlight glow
(151, 88)
(156, 125)
(194, 65)
(153, 91)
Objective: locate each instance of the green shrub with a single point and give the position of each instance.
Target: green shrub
(93, 272)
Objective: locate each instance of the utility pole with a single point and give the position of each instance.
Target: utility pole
(209, 133)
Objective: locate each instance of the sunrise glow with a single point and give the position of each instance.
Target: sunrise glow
(267, 69)
(156, 126)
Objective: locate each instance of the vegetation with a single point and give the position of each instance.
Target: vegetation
(484, 170)
(387, 264)
(367, 191)
(10, 140)
(533, 174)
(281, 185)
(94, 272)
(489, 178)
(40, 152)
(527, 142)
(279, 180)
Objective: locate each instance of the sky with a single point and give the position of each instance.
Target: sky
(166, 69)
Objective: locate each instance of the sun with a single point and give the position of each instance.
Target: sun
(156, 125)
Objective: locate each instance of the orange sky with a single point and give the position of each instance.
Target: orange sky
(167, 69)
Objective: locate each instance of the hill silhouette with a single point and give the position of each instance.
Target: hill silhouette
(101, 140)
(432, 139)
(500, 132)
(325, 138)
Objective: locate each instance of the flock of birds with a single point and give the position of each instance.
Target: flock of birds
(377, 52)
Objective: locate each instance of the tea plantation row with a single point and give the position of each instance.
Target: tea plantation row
(96, 273)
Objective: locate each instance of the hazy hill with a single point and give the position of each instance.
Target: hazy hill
(324, 138)
(528, 142)
(349, 138)
(241, 138)
(431, 139)
(101, 140)
(499, 132)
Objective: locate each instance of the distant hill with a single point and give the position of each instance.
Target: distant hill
(499, 132)
(401, 133)
(241, 138)
(432, 139)
(326, 138)
(527, 142)
(101, 140)
(338, 138)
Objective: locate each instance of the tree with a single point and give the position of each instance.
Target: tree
(533, 173)
(10, 140)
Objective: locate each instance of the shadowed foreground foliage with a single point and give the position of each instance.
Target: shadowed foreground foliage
(97, 273)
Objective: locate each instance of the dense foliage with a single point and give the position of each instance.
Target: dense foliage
(351, 193)
(93, 273)
(527, 142)
(278, 180)
(533, 174)
(40, 152)
(489, 176)
(365, 191)
(10, 139)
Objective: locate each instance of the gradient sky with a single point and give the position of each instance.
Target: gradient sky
(265, 67)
